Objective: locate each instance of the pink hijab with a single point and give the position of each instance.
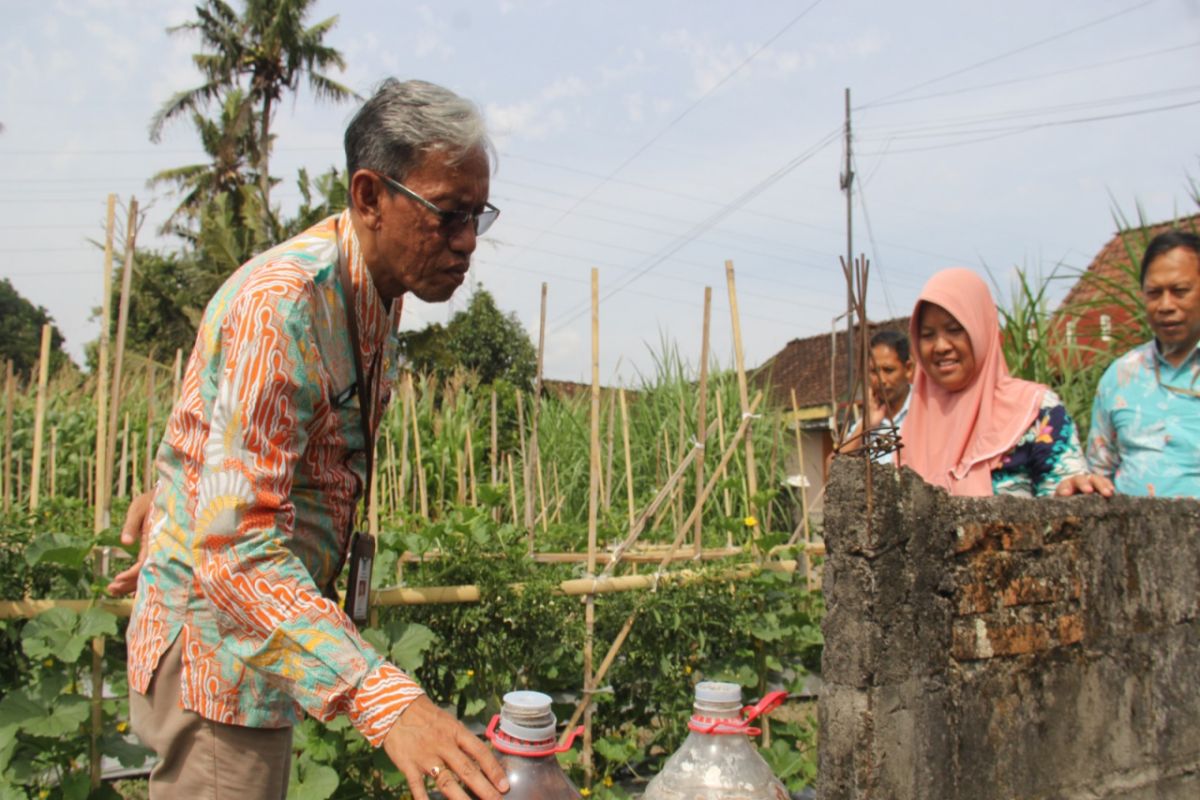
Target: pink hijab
(954, 439)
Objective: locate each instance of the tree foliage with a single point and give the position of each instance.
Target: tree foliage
(482, 339)
(21, 331)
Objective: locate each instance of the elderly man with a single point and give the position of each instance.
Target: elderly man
(234, 633)
(1146, 416)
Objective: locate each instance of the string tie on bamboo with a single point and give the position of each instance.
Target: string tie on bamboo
(697, 444)
(748, 415)
(658, 574)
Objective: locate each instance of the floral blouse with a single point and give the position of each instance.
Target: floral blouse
(1045, 454)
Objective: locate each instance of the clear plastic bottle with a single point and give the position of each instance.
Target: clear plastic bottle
(525, 746)
(718, 761)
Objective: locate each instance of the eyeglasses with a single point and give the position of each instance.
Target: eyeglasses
(451, 220)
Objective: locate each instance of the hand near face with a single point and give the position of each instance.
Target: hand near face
(427, 743)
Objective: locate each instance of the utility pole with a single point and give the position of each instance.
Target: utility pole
(847, 183)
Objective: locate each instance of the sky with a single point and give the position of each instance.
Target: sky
(654, 141)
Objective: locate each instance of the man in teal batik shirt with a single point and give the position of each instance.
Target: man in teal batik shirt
(1145, 432)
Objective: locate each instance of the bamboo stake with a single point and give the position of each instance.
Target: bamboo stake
(148, 459)
(460, 478)
(628, 457)
(20, 474)
(533, 467)
(133, 461)
(39, 419)
(122, 475)
(585, 702)
(495, 440)
(526, 495)
(419, 465)
(721, 444)
(593, 512)
(102, 480)
(512, 486)
(405, 401)
(470, 447)
(744, 396)
(671, 506)
(91, 487)
(53, 462)
(702, 415)
(393, 489)
(608, 459)
(119, 355)
(544, 516)
(740, 433)
(176, 375)
(803, 494)
(10, 391)
(559, 497)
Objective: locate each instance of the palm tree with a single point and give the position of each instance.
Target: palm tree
(268, 47)
(231, 141)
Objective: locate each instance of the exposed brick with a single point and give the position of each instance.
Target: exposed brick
(1024, 591)
(1019, 536)
(968, 536)
(1070, 629)
(974, 598)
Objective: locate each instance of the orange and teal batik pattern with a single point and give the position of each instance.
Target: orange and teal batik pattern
(258, 476)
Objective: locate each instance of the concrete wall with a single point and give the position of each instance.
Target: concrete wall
(1007, 648)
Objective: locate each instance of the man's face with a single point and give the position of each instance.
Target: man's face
(889, 376)
(1172, 292)
(414, 251)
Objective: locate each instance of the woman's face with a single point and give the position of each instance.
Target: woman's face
(945, 348)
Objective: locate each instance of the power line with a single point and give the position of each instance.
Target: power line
(1001, 133)
(1038, 77)
(712, 220)
(696, 104)
(1008, 53)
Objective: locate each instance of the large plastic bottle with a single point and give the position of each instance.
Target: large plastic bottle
(718, 761)
(525, 746)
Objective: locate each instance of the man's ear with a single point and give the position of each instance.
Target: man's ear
(366, 193)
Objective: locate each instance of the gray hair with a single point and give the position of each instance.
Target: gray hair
(403, 121)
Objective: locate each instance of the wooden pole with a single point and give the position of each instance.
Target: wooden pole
(628, 458)
(702, 416)
(512, 486)
(744, 396)
(533, 467)
(122, 475)
(610, 435)
(53, 462)
(10, 391)
(541, 487)
(176, 376)
(803, 493)
(148, 459)
(721, 444)
(495, 441)
(419, 464)
(526, 495)
(122, 326)
(102, 482)
(39, 419)
(593, 513)
(470, 446)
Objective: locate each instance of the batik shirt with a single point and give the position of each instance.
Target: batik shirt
(1046, 454)
(258, 476)
(1144, 436)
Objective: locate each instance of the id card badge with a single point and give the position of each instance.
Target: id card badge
(358, 590)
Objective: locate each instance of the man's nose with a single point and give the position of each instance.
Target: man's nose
(464, 239)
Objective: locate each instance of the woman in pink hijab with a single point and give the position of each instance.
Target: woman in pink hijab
(972, 428)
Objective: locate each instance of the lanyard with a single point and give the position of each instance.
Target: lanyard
(366, 391)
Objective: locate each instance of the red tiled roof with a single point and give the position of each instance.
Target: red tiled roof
(804, 364)
(1109, 286)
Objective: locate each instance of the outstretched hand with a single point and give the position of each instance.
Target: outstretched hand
(1087, 483)
(426, 742)
(133, 530)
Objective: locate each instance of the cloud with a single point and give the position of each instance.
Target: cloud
(540, 117)
(711, 62)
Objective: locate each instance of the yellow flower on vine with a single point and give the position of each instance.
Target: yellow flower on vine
(470, 673)
(586, 792)
(687, 669)
(122, 727)
(750, 521)
(608, 781)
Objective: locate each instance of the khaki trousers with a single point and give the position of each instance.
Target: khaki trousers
(200, 759)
